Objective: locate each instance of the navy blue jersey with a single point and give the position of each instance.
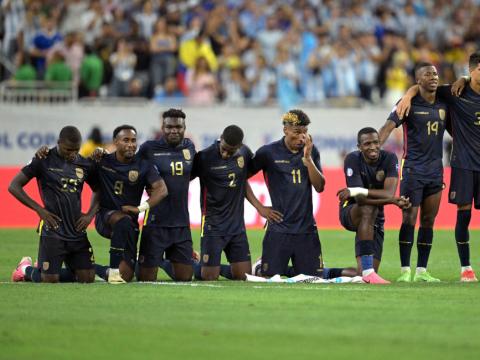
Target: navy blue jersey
(289, 186)
(123, 183)
(423, 130)
(360, 174)
(60, 183)
(465, 114)
(175, 165)
(223, 187)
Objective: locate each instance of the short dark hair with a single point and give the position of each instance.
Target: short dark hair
(71, 134)
(365, 130)
(174, 113)
(474, 60)
(295, 117)
(232, 135)
(421, 65)
(123, 127)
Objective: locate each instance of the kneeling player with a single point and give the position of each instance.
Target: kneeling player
(371, 175)
(223, 171)
(122, 178)
(60, 177)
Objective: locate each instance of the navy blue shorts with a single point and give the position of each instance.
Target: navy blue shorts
(378, 232)
(174, 242)
(417, 189)
(304, 250)
(102, 222)
(464, 186)
(235, 246)
(53, 252)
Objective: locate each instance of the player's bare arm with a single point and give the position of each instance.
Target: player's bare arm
(316, 177)
(157, 192)
(385, 131)
(16, 189)
(265, 211)
(403, 106)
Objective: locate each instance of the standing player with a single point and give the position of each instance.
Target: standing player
(371, 177)
(291, 166)
(223, 172)
(465, 161)
(167, 226)
(122, 177)
(60, 178)
(421, 173)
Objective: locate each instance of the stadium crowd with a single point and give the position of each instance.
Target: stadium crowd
(238, 51)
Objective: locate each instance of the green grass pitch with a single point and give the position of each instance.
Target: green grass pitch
(236, 320)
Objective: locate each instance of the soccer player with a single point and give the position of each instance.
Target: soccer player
(223, 172)
(122, 177)
(60, 178)
(291, 166)
(167, 226)
(371, 178)
(464, 111)
(421, 173)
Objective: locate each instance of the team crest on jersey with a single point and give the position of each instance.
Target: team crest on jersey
(453, 195)
(133, 175)
(205, 258)
(186, 154)
(79, 172)
(264, 266)
(45, 265)
(240, 162)
(442, 114)
(349, 172)
(380, 176)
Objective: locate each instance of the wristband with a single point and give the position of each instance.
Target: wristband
(143, 206)
(355, 191)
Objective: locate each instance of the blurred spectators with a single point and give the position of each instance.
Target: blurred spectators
(94, 140)
(335, 49)
(201, 83)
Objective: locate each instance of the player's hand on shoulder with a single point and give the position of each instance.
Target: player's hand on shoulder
(343, 194)
(403, 107)
(51, 220)
(83, 221)
(42, 152)
(458, 86)
(129, 209)
(98, 154)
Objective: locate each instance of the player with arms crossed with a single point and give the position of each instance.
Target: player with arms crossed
(291, 166)
(60, 178)
(464, 111)
(421, 173)
(223, 172)
(371, 177)
(167, 226)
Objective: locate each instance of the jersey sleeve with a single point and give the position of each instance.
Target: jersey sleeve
(197, 165)
(153, 175)
(258, 161)
(92, 178)
(143, 151)
(444, 93)
(394, 117)
(33, 168)
(391, 166)
(351, 170)
(316, 158)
